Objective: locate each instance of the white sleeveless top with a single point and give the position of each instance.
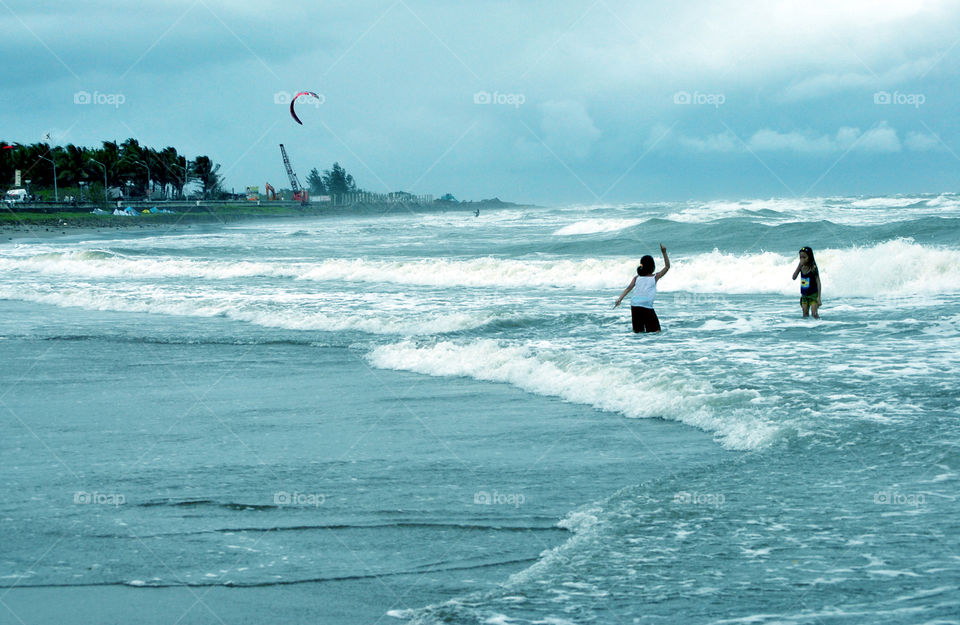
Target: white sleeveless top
(644, 290)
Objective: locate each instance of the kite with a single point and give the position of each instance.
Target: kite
(293, 112)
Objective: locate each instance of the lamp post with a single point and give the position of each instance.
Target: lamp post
(56, 194)
(105, 198)
(186, 168)
(142, 164)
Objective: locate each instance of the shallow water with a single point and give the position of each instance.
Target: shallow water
(452, 404)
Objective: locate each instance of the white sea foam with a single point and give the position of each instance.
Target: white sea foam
(99, 264)
(481, 272)
(857, 212)
(886, 202)
(592, 226)
(899, 267)
(712, 211)
(888, 269)
(664, 394)
(584, 524)
(272, 311)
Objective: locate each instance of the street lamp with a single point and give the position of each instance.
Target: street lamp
(56, 194)
(186, 167)
(105, 198)
(142, 164)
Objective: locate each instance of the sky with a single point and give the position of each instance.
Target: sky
(559, 102)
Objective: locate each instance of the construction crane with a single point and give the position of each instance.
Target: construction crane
(299, 193)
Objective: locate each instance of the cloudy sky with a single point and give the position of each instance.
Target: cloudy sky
(559, 101)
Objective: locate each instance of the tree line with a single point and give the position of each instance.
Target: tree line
(135, 169)
(334, 181)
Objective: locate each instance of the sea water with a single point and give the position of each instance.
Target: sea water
(432, 417)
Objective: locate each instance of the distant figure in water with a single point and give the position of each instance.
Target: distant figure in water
(641, 304)
(477, 214)
(809, 283)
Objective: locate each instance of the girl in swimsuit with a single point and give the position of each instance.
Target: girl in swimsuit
(809, 283)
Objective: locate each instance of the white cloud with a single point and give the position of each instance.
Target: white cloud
(822, 84)
(800, 48)
(723, 142)
(882, 138)
(921, 141)
(766, 140)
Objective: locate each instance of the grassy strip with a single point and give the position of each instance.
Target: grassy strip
(211, 214)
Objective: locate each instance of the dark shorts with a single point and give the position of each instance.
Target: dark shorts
(809, 299)
(644, 319)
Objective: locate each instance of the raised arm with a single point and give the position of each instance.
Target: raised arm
(666, 264)
(625, 291)
(796, 272)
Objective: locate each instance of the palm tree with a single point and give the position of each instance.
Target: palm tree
(131, 165)
(109, 155)
(206, 172)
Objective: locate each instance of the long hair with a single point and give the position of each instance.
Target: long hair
(646, 266)
(809, 252)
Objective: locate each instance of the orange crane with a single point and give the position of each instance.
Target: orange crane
(270, 191)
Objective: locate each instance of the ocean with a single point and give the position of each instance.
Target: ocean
(431, 417)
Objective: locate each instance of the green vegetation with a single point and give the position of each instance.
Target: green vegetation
(335, 181)
(130, 170)
(137, 170)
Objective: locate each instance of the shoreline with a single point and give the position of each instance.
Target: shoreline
(32, 225)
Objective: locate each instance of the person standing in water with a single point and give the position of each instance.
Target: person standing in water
(641, 304)
(809, 283)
